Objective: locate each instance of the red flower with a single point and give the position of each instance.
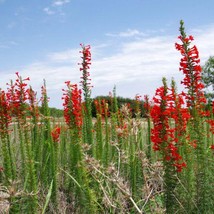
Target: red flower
(211, 123)
(5, 114)
(212, 147)
(72, 106)
(17, 96)
(180, 166)
(56, 134)
(85, 66)
(191, 69)
(168, 106)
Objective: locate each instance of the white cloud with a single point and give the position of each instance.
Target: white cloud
(204, 42)
(60, 2)
(55, 8)
(66, 56)
(48, 11)
(128, 33)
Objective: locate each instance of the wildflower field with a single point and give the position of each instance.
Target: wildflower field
(118, 162)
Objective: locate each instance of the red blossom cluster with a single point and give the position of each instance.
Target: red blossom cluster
(55, 133)
(179, 113)
(72, 105)
(168, 106)
(86, 57)
(5, 116)
(17, 95)
(190, 66)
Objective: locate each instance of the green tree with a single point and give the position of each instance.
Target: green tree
(208, 77)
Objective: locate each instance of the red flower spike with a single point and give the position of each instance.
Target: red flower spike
(17, 96)
(189, 65)
(167, 106)
(85, 66)
(55, 133)
(72, 106)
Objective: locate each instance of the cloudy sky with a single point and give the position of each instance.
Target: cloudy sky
(132, 42)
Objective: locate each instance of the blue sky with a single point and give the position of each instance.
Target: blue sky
(132, 42)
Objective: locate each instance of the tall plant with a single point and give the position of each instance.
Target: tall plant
(86, 88)
(195, 101)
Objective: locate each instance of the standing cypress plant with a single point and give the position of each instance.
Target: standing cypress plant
(106, 152)
(46, 178)
(180, 117)
(73, 118)
(165, 141)
(17, 111)
(195, 99)
(114, 119)
(34, 113)
(86, 88)
(99, 129)
(5, 121)
(55, 134)
(17, 95)
(85, 197)
(49, 150)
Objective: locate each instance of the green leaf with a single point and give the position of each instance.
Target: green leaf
(48, 197)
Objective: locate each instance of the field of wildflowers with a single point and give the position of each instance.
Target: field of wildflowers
(114, 163)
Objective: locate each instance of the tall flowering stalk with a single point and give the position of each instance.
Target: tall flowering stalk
(73, 107)
(102, 126)
(163, 136)
(45, 113)
(100, 112)
(5, 121)
(74, 119)
(85, 66)
(86, 88)
(55, 134)
(18, 97)
(195, 100)
(190, 66)
(34, 113)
